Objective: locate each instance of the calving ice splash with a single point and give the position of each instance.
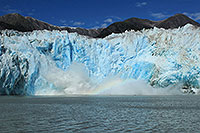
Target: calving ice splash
(149, 62)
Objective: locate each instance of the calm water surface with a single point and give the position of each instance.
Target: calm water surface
(100, 114)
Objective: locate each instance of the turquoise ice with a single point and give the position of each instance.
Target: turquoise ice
(38, 61)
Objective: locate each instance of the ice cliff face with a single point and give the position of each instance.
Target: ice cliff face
(45, 62)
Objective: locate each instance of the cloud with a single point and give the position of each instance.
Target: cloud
(195, 16)
(115, 17)
(30, 14)
(141, 4)
(109, 20)
(104, 25)
(63, 21)
(96, 27)
(8, 9)
(78, 23)
(159, 15)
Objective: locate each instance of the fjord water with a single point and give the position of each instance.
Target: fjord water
(100, 114)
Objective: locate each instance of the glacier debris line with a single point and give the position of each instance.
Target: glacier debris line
(153, 61)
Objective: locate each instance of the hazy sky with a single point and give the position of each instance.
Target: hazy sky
(99, 13)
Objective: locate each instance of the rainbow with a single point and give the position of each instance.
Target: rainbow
(104, 87)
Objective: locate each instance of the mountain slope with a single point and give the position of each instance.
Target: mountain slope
(175, 21)
(129, 24)
(18, 22)
(24, 24)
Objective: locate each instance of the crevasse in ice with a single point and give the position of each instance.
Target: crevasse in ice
(42, 62)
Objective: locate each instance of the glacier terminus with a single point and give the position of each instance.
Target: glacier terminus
(56, 62)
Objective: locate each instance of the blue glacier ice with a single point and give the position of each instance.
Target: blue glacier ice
(58, 62)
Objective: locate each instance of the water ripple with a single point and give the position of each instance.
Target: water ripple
(100, 114)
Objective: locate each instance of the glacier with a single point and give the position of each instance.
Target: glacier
(60, 63)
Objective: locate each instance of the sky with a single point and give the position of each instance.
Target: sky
(99, 13)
